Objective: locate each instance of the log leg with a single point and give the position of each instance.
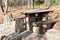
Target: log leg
(19, 25)
(45, 18)
(27, 23)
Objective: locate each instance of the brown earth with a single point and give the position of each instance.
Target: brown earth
(16, 11)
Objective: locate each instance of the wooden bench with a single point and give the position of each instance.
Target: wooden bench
(35, 15)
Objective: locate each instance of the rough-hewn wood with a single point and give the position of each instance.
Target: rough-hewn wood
(45, 22)
(19, 25)
(27, 24)
(29, 20)
(29, 13)
(34, 11)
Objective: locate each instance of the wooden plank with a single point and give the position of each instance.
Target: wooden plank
(34, 11)
(19, 25)
(45, 22)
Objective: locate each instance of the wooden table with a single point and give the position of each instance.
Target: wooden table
(35, 15)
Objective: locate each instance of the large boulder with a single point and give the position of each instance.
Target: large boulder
(53, 34)
(57, 26)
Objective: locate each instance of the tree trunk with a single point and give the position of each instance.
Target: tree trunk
(31, 4)
(47, 2)
(6, 6)
(1, 3)
(19, 25)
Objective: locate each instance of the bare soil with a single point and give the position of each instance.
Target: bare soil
(15, 11)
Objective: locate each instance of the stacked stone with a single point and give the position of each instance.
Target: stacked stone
(7, 27)
(53, 34)
(7, 19)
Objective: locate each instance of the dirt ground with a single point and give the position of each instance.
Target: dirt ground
(15, 11)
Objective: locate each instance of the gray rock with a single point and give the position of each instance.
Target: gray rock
(52, 34)
(57, 26)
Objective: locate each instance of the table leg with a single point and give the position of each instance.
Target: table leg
(45, 18)
(19, 25)
(29, 20)
(27, 23)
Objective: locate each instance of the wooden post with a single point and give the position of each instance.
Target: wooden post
(45, 18)
(19, 25)
(29, 20)
(27, 24)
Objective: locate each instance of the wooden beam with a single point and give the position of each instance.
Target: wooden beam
(19, 25)
(45, 22)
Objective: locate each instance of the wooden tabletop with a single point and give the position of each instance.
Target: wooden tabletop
(35, 11)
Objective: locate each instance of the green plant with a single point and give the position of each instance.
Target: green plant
(39, 1)
(52, 2)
